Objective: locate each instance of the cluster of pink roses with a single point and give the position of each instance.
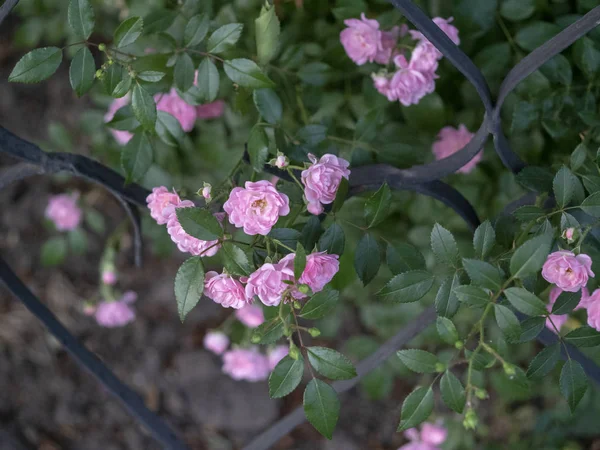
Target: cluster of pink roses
(63, 211)
(431, 437)
(170, 103)
(244, 363)
(570, 273)
(412, 79)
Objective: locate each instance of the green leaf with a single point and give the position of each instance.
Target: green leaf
(340, 196)
(151, 76)
(114, 77)
(333, 240)
(36, 66)
(136, 158)
(558, 70)
(311, 232)
(407, 287)
(196, 30)
(224, 37)
(169, 129)
(525, 114)
(535, 179)
(530, 257)
(54, 251)
(82, 71)
(321, 407)
(564, 186)
(269, 332)
(535, 34)
(528, 213)
(591, 205)
(144, 107)
(417, 407)
(446, 330)
(367, 258)
(418, 361)
(566, 302)
(378, 205)
(159, 20)
(128, 32)
(583, 337)
(516, 10)
(124, 119)
(78, 241)
(286, 377)
(258, 148)
(472, 295)
(189, 285)
(330, 363)
(247, 74)
(591, 183)
(483, 274)
(587, 57)
(481, 360)
(81, 18)
(183, 73)
(446, 301)
(122, 87)
(484, 239)
(287, 236)
(578, 156)
(95, 221)
(199, 223)
(453, 393)
(507, 322)
(314, 74)
(268, 104)
(573, 383)
(403, 258)
(299, 261)
(320, 304)
(530, 328)
(267, 29)
(312, 135)
(208, 80)
(525, 302)
(444, 246)
(235, 260)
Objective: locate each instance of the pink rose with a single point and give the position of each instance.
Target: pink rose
(322, 179)
(276, 354)
(267, 283)
(382, 84)
(122, 137)
(216, 342)
(187, 243)
(593, 310)
(63, 211)
(173, 104)
(162, 204)
(250, 315)
(111, 314)
(224, 290)
(408, 85)
(424, 58)
(256, 207)
(568, 271)
(211, 110)
(450, 140)
(444, 24)
(320, 270)
(389, 39)
(429, 438)
(558, 320)
(109, 277)
(246, 364)
(362, 40)
(586, 298)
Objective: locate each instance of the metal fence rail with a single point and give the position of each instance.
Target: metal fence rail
(423, 179)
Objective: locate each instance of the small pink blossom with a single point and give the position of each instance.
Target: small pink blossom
(212, 110)
(246, 364)
(109, 277)
(362, 40)
(429, 438)
(593, 310)
(276, 354)
(250, 315)
(281, 161)
(257, 207)
(450, 140)
(122, 137)
(424, 58)
(558, 320)
(320, 270)
(267, 283)
(322, 179)
(162, 204)
(63, 211)
(445, 25)
(568, 271)
(408, 85)
(89, 309)
(216, 342)
(206, 191)
(382, 84)
(173, 104)
(587, 299)
(224, 290)
(389, 40)
(187, 243)
(111, 314)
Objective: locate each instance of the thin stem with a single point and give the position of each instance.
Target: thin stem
(291, 173)
(210, 55)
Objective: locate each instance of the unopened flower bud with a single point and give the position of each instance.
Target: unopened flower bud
(255, 339)
(470, 422)
(459, 345)
(314, 332)
(481, 394)
(509, 369)
(206, 192)
(294, 352)
(99, 73)
(570, 234)
(101, 47)
(297, 304)
(287, 331)
(281, 161)
(304, 288)
(440, 367)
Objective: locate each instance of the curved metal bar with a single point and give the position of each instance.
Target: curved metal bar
(6, 8)
(132, 401)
